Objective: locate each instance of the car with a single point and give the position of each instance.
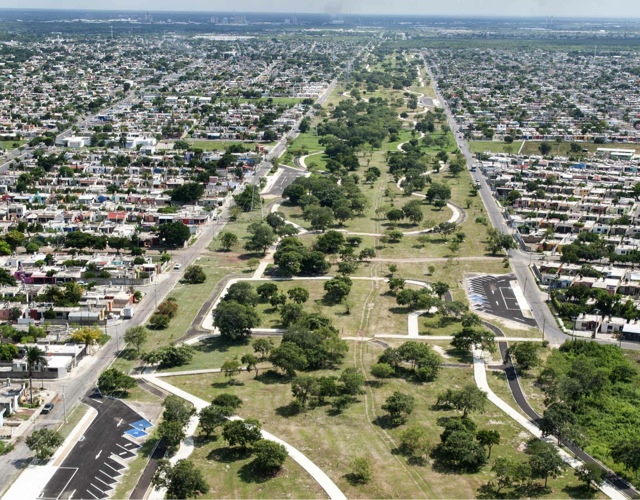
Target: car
(473, 169)
(177, 266)
(47, 408)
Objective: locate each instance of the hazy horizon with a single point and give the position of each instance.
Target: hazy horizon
(615, 9)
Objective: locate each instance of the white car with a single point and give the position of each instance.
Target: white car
(177, 266)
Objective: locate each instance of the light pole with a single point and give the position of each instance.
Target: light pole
(544, 323)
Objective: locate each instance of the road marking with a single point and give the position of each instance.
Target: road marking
(119, 423)
(71, 495)
(497, 303)
(90, 493)
(106, 484)
(110, 477)
(96, 488)
(98, 455)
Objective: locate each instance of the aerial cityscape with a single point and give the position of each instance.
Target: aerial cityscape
(319, 251)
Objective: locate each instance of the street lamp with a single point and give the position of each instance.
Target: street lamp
(64, 405)
(573, 327)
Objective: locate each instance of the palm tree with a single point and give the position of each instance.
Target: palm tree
(34, 356)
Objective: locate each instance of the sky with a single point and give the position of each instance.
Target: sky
(563, 8)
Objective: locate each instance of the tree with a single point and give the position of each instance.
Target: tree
(291, 313)
(114, 381)
(212, 417)
(461, 450)
(267, 290)
(227, 400)
(242, 433)
(227, 240)
(413, 211)
(194, 275)
(298, 294)
(8, 352)
(249, 199)
(270, 456)
(526, 355)
(174, 234)
(288, 357)
(242, 293)
(361, 471)
(488, 438)
(352, 382)
(235, 320)
(545, 149)
(497, 241)
(338, 288)
(329, 242)
(382, 370)
(468, 399)
(230, 368)
(544, 460)
(136, 337)
(415, 442)
(183, 480)
(44, 443)
(263, 347)
(177, 410)
(437, 192)
(189, 192)
(507, 472)
(87, 335)
(590, 473)
(262, 237)
(469, 338)
(34, 356)
(557, 420)
(627, 453)
(302, 388)
(395, 215)
(439, 288)
(277, 300)
(399, 406)
(319, 217)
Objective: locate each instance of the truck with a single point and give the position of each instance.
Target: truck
(127, 312)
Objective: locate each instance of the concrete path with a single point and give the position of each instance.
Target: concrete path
(303, 159)
(480, 375)
(186, 448)
(450, 337)
(433, 259)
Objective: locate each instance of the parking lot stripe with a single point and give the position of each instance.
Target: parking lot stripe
(65, 486)
(114, 469)
(103, 492)
(91, 493)
(110, 477)
(110, 487)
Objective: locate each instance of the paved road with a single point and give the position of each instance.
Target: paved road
(96, 462)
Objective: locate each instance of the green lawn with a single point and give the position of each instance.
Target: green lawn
(333, 441)
(494, 147)
(563, 149)
(9, 145)
(212, 353)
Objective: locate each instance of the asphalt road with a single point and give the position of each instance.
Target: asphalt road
(92, 468)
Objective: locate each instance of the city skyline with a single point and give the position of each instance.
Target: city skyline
(466, 8)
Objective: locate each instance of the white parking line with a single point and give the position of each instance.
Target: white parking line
(114, 469)
(92, 494)
(110, 477)
(106, 484)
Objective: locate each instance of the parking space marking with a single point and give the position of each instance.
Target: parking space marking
(75, 471)
(90, 493)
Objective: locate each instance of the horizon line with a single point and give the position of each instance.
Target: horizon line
(350, 14)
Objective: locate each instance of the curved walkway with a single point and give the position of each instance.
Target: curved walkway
(186, 448)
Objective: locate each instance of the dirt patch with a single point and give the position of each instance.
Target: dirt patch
(441, 351)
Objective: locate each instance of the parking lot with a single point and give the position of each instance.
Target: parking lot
(96, 463)
(494, 295)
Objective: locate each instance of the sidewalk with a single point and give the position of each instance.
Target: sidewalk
(186, 448)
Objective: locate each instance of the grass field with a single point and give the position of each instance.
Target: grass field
(532, 147)
(494, 147)
(333, 441)
(223, 145)
(9, 145)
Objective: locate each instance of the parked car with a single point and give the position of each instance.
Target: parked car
(47, 408)
(177, 266)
